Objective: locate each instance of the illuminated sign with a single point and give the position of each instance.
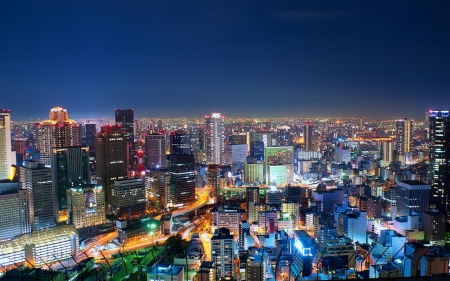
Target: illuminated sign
(304, 251)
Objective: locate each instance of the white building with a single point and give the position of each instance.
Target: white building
(214, 138)
(14, 214)
(6, 154)
(342, 155)
(86, 205)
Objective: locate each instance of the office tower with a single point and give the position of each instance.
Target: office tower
(244, 232)
(403, 138)
(308, 135)
(111, 157)
(57, 131)
(160, 125)
(256, 267)
(235, 155)
(267, 138)
(433, 224)
(413, 196)
(180, 143)
(284, 136)
(253, 172)
(182, 179)
(279, 164)
(125, 119)
(91, 132)
(257, 150)
(128, 198)
(37, 180)
(86, 205)
(214, 138)
(70, 168)
(222, 253)
(213, 180)
(241, 138)
(387, 151)
(439, 167)
(160, 185)
(155, 149)
(303, 254)
(342, 155)
(252, 198)
(6, 156)
(14, 214)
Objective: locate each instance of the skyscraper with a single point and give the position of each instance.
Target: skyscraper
(284, 136)
(403, 138)
(128, 198)
(125, 119)
(91, 132)
(182, 178)
(111, 157)
(6, 159)
(14, 214)
(214, 138)
(86, 205)
(180, 143)
(155, 150)
(308, 136)
(222, 252)
(70, 168)
(439, 167)
(37, 180)
(57, 131)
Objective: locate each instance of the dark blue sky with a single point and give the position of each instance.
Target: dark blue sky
(241, 58)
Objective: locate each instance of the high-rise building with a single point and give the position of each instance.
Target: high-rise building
(91, 132)
(37, 180)
(125, 119)
(14, 215)
(403, 139)
(434, 227)
(70, 168)
(128, 198)
(86, 205)
(214, 138)
(284, 136)
(413, 196)
(387, 151)
(160, 185)
(439, 167)
(155, 150)
(111, 158)
(182, 179)
(342, 155)
(256, 267)
(57, 131)
(180, 143)
(279, 164)
(6, 156)
(222, 252)
(308, 135)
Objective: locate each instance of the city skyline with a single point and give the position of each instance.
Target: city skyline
(249, 59)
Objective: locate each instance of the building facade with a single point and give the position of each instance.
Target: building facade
(86, 205)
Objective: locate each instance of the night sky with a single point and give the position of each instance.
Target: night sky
(241, 58)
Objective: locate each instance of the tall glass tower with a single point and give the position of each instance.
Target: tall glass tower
(439, 167)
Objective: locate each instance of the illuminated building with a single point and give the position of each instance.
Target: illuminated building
(70, 168)
(354, 225)
(37, 179)
(244, 232)
(256, 267)
(434, 226)
(182, 179)
(235, 155)
(253, 172)
(155, 150)
(439, 167)
(279, 164)
(128, 198)
(57, 131)
(284, 136)
(413, 196)
(403, 137)
(264, 221)
(14, 215)
(125, 119)
(165, 272)
(41, 246)
(207, 271)
(308, 135)
(387, 151)
(6, 155)
(214, 138)
(86, 205)
(335, 253)
(223, 216)
(160, 186)
(180, 143)
(252, 198)
(257, 150)
(303, 254)
(292, 210)
(111, 157)
(342, 155)
(222, 252)
(267, 138)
